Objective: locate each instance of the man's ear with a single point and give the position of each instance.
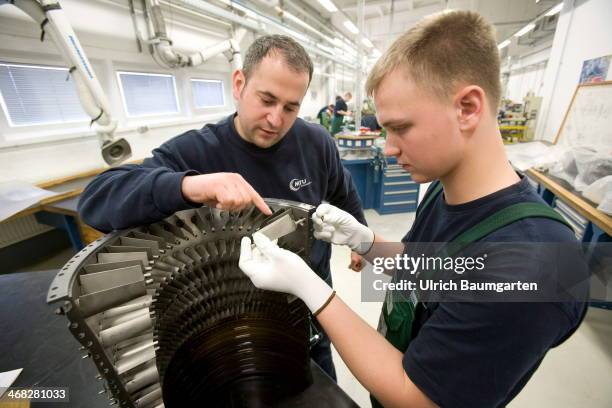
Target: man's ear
(238, 83)
(469, 104)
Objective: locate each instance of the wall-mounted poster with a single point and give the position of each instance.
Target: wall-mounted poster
(595, 70)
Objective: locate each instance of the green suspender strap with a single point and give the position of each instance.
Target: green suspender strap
(398, 313)
(394, 323)
(432, 193)
(500, 219)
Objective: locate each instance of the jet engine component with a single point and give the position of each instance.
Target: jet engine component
(170, 320)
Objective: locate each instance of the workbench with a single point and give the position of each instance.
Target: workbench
(60, 211)
(552, 187)
(598, 230)
(37, 340)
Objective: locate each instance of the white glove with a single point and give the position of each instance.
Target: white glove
(272, 268)
(333, 225)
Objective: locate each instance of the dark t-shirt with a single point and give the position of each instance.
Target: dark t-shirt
(340, 106)
(304, 166)
(481, 354)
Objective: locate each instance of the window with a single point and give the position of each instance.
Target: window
(148, 94)
(207, 93)
(36, 95)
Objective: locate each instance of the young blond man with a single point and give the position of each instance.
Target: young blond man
(436, 91)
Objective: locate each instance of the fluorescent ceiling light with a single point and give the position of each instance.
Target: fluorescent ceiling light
(525, 30)
(555, 10)
(350, 26)
(329, 5)
(367, 42)
(503, 44)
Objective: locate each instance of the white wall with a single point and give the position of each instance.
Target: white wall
(584, 32)
(315, 98)
(525, 80)
(526, 74)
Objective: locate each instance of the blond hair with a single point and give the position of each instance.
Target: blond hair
(443, 51)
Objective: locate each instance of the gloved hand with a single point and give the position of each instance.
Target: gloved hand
(272, 268)
(333, 225)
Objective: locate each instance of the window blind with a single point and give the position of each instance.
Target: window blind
(35, 95)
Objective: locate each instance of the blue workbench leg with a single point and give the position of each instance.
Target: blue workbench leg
(74, 234)
(599, 255)
(65, 222)
(548, 196)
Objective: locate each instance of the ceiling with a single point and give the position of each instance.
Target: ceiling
(385, 20)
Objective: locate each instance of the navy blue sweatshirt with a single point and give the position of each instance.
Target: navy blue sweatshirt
(304, 166)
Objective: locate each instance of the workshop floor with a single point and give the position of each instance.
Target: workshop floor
(575, 374)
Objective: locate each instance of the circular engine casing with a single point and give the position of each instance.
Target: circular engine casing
(169, 318)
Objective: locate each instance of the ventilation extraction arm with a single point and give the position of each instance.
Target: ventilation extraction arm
(52, 20)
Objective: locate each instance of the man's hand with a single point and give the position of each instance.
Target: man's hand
(272, 268)
(356, 262)
(333, 225)
(225, 191)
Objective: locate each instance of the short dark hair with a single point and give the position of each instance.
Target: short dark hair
(294, 55)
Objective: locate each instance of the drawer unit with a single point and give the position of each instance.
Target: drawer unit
(355, 142)
(398, 185)
(398, 193)
(396, 176)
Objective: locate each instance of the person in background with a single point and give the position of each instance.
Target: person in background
(325, 115)
(263, 149)
(340, 111)
(368, 115)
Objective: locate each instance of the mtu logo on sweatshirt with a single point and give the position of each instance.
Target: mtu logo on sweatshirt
(296, 184)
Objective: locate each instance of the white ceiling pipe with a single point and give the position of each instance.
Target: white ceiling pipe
(173, 58)
(287, 15)
(260, 23)
(221, 13)
(322, 26)
(201, 56)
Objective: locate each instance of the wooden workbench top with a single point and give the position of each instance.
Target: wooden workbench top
(66, 187)
(583, 207)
